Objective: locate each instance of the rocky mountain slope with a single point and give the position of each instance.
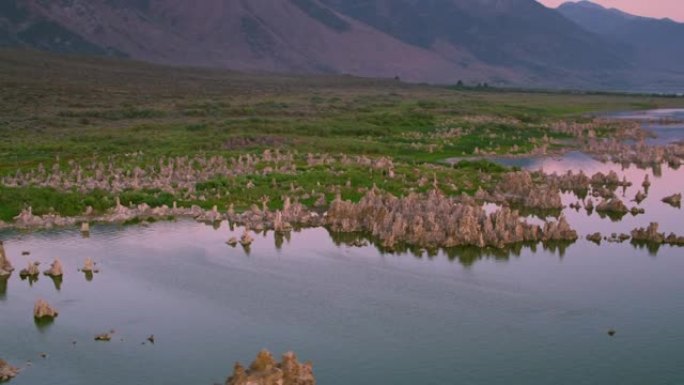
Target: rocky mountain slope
(503, 42)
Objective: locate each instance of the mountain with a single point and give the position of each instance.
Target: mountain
(265, 35)
(20, 26)
(594, 17)
(519, 33)
(503, 42)
(655, 43)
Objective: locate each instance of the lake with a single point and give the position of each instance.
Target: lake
(534, 316)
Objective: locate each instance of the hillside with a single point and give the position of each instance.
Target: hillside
(655, 43)
(285, 36)
(502, 42)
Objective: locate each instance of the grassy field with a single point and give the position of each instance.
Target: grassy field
(59, 109)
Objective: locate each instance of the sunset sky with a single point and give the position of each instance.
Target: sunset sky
(674, 9)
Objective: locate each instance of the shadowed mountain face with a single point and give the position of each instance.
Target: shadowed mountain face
(520, 33)
(19, 25)
(656, 43)
(509, 42)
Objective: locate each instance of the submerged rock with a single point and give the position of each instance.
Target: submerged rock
(55, 270)
(104, 337)
(674, 200)
(266, 371)
(7, 371)
(43, 311)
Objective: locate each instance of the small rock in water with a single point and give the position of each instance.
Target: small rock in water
(649, 234)
(674, 200)
(30, 271)
(89, 266)
(596, 238)
(151, 339)
(7, 371)
(232, 242)
(637, 210)
(25, 252)
(55, 269)
(647, 182)
(246, 239)
(611, 332)
(43, 311)
(640, 196)
(106, 337)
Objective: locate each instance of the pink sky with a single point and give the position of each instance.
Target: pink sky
(674, 9)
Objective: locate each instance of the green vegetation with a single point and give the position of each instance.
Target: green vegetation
(85, 110)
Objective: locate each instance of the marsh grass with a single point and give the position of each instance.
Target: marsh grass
(56, 109)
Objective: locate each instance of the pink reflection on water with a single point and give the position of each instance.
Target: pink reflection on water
(664, 183)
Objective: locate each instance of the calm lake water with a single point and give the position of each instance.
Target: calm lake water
(363, 317)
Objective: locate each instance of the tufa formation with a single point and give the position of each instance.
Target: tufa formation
(266, 371)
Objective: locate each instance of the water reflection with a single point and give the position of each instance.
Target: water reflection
(3, 286)
(465, 255)
(43, 324)
(30, 278)
(666, 179)
(57, 282)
